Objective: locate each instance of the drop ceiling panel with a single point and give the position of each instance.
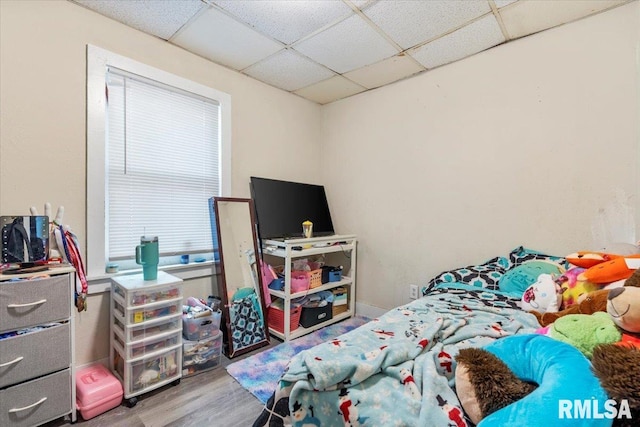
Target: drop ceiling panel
(503, 3)
(301, 45)
(287, 21)
(476, 37)
(288, 70)
(412, 22)
(221, 39)
(347, 45)
(384, 72)
(162, 18)
(332, 89)
(528, 17)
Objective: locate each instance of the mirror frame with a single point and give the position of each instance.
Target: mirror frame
(230, 351)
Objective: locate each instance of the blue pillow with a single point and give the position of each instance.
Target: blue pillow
(563, 376)
(516, 280)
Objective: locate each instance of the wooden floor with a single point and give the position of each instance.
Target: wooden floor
(211, 398)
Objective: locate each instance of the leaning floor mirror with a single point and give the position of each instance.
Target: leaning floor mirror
(239, 284)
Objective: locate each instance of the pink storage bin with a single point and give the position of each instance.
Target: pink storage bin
(97, 391)
(299, 281)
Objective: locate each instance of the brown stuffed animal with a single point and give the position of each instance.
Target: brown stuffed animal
(489, 386)
(634, 280)
(618, 369)
(591, 303)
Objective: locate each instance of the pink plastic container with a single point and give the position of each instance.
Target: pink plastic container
(97, 391)
(299, 281)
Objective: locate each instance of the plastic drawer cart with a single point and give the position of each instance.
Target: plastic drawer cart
(146, 333)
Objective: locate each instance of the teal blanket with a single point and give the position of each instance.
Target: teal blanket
(397, 369)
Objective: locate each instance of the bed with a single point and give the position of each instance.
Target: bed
(399, 369)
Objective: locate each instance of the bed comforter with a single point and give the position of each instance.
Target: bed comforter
(397, 369)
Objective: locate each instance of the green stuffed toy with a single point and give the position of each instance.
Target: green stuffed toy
(585, 331)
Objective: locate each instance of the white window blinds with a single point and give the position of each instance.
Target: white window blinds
(163, 166)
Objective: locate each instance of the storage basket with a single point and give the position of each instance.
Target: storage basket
(276, 318)
(299, 281)
(315, 278)
(311, 316)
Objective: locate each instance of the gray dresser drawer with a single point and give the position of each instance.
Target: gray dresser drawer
(32, 302)
(21, 356)
(37, 401)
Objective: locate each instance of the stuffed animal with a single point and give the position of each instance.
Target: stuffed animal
(609, 271)
(485, 384)
(634, 280)
(589, 303)
(602, 268)
(618, 369)
(493, 382)
(624, 305)
(573, 288)
(587, 259)
(585, 331)
(545, 295)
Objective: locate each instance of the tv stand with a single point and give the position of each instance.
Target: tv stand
(337, 249)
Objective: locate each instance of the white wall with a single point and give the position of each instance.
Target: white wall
(522, 144)
(42, 123)
(535, 134)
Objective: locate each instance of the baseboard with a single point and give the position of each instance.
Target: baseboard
(369, 310)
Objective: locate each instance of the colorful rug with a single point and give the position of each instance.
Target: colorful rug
(260, 373)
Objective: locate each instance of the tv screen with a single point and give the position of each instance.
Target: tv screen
(282, 206)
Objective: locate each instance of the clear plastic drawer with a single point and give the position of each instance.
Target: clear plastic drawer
(157, 311)
(147, 296)
(149, 330)
(136, 349)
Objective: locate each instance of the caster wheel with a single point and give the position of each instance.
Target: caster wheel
(131, 402)
(176, 382)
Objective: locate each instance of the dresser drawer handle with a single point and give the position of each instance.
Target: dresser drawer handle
(27, 407)
(42, 301)
(16, 360)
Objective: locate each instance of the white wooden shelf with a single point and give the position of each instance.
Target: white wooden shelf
(286, 251)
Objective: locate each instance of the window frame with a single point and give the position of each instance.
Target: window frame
(98, 60)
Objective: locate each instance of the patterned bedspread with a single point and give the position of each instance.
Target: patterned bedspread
(397, 370)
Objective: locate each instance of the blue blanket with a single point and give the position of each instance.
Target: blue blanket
(397, 369)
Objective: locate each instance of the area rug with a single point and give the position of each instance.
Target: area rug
(259, 374)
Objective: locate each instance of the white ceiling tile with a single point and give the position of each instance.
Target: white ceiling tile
(347, 45)
(384, 72)
(287, 20)
(503, 3)
(478, 36)
(528, 17)
(161, 18)
(361, 3)
(288, 70)
(220, 38)
(412, 22)
(330, 90)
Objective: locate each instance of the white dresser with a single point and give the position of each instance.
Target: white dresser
(37, 379)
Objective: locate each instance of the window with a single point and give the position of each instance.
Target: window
(158, 149)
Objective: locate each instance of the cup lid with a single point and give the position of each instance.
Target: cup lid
(148, 239)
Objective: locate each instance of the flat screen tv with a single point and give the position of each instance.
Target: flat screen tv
(282, 206)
